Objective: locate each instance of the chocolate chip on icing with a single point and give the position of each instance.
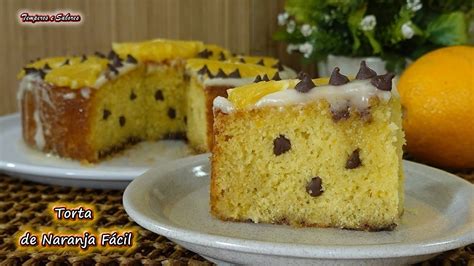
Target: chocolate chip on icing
(354, 160)
(257, 79)
(83, 58)
(32, 70)
(99, 54)
(105, 114)
(131, 60)
(276, 76)
(209, 74)
(241, 60)
(117, 62)
(365, 72)
(113, 69)
(337, 78)
(66, 62)
(122, 120)
(265, 78)
(171, 113)
(281, 145)
(279, 66)
(383, 82)
(133, 96)
(203, 70)
(46, 67)
(260, 62)
(112, 55)
(204, 53)
(301, 75)
(314, 187)
(340, 114)
(221, 74)
(306, 84)
(235, 74)
(222, 56)
(159, 95)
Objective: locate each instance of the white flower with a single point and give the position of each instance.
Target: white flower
(292, 47)
(306, 30)
(282, 18)
(290, 27)
(306, 48)
(368, 23)
(414, 5)
(407, 30)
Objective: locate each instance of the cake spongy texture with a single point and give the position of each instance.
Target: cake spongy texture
(251, 182)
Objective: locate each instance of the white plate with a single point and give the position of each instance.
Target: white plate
(174, 202)
(17, 159)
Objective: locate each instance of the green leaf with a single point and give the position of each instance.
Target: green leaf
(353, 23)
(448, 29)
(376, 47)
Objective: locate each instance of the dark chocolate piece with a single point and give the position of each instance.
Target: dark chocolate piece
(159, 95)
(112, 55)
(337, 78)
(222, 56)
(314, 187)
(301, 75)
(279, 66)
(204, 53)
(257, 79)
(354, 160)
(241, 60)
(265, 78)
(122, 120)
(113, 69)
(261, 62)
(281, 145)
(41, 73)
(171, 113)
(66, 62)
(83, 58)
(117, 62)
(133, 96)
(276, 76)
(235, 74)
(203, 70)
(383, 82)
(306, 84)
(46, 67)
(209, 74)
(105, 114)
(365, 72)
(33, 71)
(341, 114)
(221, 74)
(99, 54)
(131, 60)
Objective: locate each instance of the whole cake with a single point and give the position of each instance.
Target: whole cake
(305, 154)
(89, 107)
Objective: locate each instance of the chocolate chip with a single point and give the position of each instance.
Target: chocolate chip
(305, 85)
(221, 56)
(30, 70)
(337, 78)
(281, 145)
(122, 120)
(261, 62)
(203, 70)
(279, 66)
(105, 114)
(131, 60)
(340, 114)
(133, 96)
(112, 69)
(301, 75)
(276, 76)
(314, 187)
(204, 53)
(83, 58)
(117, 62)
(365, 72)
(99, 54)
(66, 62)
(41, 73)
(257, 79)
(171, 113)
(209, 74)
(241, 60)
(221, 74)
(159, 95)
(47, 67)
(112, 55)
(354, 160)
(235, 74)
(265, 78)
(383, 82)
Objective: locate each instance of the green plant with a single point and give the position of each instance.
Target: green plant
(393, 30)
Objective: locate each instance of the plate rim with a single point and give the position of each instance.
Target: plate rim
(365, 251)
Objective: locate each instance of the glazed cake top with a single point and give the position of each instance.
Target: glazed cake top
(338, 90)
(158, 50)
(214, 52)
(213, 69)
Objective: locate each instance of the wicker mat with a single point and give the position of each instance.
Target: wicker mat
(24, 202)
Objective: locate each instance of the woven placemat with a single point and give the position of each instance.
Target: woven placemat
(25, 203)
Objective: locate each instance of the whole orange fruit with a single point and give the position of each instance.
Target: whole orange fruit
(437, 93)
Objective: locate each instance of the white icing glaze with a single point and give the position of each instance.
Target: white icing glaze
(39, 136)
(85, 93)
(69, 96)
(221, 103)
(107, 75)
(231, 82)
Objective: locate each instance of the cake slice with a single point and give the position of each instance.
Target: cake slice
(300, 153)
(209, 79)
